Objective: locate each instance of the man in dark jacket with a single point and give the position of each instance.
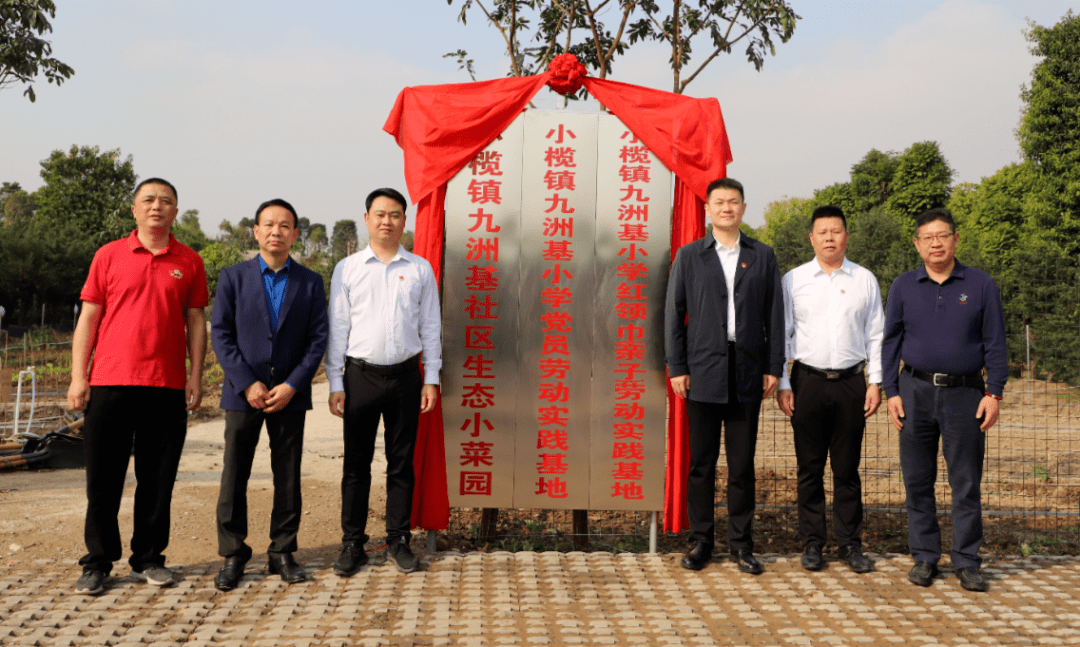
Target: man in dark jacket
(269, 332)
(723, 329)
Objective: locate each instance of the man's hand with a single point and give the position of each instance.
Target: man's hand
(78, 394)
(337, 403)
(256, 395)
(786, 399)
(429, 395)
(873, 400)
(896, 411)
(193, 391)
(988, 406)
(278, 398)
(680, 384)
(771, 382)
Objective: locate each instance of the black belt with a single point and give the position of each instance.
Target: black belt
(831, 374)
(943, 379)
(385, 369)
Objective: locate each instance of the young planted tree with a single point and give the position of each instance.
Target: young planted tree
(597, 30)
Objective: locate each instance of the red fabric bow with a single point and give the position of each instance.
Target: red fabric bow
(567, 74)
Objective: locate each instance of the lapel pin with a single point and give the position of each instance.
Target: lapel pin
(743, 264)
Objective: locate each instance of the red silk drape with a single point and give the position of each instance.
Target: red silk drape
(441, 128)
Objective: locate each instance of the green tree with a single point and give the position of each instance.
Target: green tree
(188, 230)
(871, 180)
(922, 180)
(1049, 130)
(317, 241)
(578, 27)
(216, 257)
(89, 188)
(15, 204)
(787, 230)
(24, 54)
(344, 240)
(240, 237)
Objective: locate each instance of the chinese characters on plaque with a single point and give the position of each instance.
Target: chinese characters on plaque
(557, 248)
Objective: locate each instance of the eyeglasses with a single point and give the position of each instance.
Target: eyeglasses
(940, 237)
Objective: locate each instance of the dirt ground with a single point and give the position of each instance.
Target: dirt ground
(42, 511)
(1032, 455)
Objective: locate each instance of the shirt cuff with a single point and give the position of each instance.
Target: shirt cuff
(337, 382)
(785, 384)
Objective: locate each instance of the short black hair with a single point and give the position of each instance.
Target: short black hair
(828, 211)
(278, 202)
(385, 192)
(154, 180)
(725, 183)
(930, 215)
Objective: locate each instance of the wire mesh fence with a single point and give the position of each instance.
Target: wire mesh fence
(1031, 480)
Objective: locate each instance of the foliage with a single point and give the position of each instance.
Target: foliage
(787, 229)
(216, 257)
(24, 54)
(922, 180)
(719, 25)
(714, 27)
(188, 230)
(1050, 128)
(344, 240)
(15, 204)
(871, 180)
(42, 265)
(90, 189)
(1049, 131)
(240, 237)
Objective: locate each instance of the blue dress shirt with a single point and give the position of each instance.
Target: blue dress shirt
(274, 284)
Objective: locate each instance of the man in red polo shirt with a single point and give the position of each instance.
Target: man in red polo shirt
(142, 316)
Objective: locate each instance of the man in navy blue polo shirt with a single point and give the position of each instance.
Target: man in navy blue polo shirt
(945, 321)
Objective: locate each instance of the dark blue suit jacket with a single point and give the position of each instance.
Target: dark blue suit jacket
(249, 351)
(695, 320)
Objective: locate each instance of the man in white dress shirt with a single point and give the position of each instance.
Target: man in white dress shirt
(384, 311)
(833, 329)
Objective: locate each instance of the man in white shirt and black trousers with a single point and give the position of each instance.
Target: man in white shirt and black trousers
(384, 312)
(833, 330)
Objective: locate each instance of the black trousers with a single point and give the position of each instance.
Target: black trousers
(286, 432)
(829, 424)
(395, 397)
(153, 422)
(738, 422)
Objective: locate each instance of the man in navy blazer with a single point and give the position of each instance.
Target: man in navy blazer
(269, 332)
(724, 336)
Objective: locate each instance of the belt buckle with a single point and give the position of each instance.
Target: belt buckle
(832, 375)
(940, 375)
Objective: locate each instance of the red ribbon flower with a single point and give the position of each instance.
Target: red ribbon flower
(566, 74)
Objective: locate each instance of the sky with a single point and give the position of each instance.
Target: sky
(239, 101)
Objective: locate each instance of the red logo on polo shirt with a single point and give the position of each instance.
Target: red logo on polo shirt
(176, 274)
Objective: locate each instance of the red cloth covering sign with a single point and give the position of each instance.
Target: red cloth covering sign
(441, 128)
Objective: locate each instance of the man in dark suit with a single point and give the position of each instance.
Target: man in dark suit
(724, 331)
(269, 332)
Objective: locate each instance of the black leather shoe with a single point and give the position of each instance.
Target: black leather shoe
(285, 566)
(856, 561)
(812, 559)
(228, 578)
(744, 557)
(697, 557)
(922, 573)
(972, 579)
(350, 560)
